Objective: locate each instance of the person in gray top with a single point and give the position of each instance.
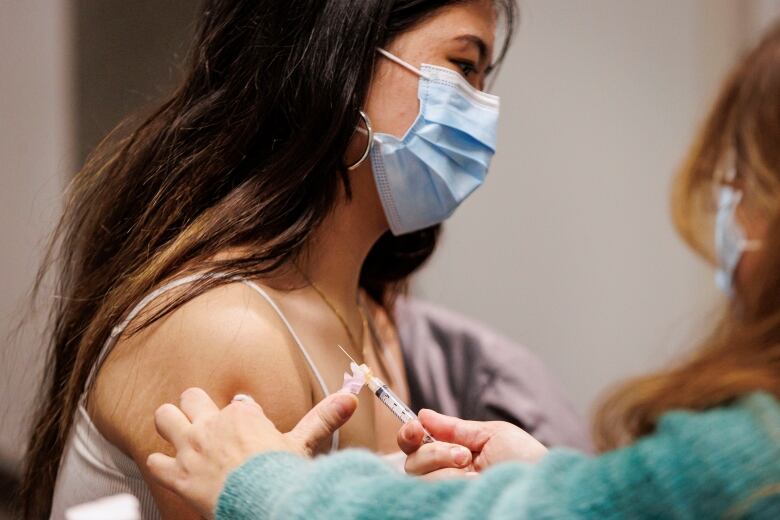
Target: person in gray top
(460, 367)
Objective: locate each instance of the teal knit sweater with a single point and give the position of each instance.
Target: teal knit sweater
(722, 463)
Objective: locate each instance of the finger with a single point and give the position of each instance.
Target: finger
(410, 437)
(171, 424)
(436, 456)
(472, 434)
(243, 404)
(247, 401)
(195, 403)
(323, 420)
(163, 469)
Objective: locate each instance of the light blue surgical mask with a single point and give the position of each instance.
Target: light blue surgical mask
(444, 156)
(730, 240)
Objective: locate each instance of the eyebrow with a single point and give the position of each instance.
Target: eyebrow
(481, 46)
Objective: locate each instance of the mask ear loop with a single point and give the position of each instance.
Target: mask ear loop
(369, 132)
(402, 63)
(725, 175)
(728, 177)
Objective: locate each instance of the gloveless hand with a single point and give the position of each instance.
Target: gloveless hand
(463, 447)
(210, 442)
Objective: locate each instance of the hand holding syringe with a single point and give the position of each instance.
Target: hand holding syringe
(384, 394)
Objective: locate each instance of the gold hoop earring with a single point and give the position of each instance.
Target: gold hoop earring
(370, 134)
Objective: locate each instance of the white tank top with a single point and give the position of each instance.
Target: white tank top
(92, 467)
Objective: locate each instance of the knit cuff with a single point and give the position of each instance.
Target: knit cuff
(251, 490)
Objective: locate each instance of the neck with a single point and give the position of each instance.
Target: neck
(335, 255)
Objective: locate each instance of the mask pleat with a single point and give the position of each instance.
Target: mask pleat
(442, 158)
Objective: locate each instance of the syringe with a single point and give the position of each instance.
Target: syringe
(394, 403)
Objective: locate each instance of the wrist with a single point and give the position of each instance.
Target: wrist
(252, 489)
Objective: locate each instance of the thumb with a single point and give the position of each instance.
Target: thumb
(471, 434)
(323, 420)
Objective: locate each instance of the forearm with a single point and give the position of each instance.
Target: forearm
(696, 465)
(355, 484)
(350, 484)
(654, 479)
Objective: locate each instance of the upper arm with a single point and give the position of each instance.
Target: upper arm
(226, 341)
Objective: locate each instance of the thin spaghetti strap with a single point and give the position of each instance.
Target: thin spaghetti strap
(307, 357)
(117, 331)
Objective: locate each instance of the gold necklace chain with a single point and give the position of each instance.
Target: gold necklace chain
(326, 300)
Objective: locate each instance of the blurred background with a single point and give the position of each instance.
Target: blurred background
(568, 248)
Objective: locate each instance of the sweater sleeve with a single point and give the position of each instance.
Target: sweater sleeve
(697, 465)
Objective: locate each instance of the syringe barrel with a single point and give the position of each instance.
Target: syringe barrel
(394, 404)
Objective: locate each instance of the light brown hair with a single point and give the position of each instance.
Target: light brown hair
(245, 155)
(742, 354)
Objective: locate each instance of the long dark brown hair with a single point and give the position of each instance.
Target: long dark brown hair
(742, 355)
(246, 153)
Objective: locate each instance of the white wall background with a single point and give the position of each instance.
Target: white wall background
(35, 159)
(759, 15)
(569, 247)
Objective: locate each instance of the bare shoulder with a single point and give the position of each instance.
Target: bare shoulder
(227, 341)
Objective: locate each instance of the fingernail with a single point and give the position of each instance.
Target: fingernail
(460, 456)
(242, 397)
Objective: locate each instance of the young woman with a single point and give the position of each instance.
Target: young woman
(700, 440)
(240, 233)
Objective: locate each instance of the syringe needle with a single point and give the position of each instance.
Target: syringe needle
(385, 395)
(347, 354)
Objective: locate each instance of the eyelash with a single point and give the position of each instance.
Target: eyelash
(466, 67)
